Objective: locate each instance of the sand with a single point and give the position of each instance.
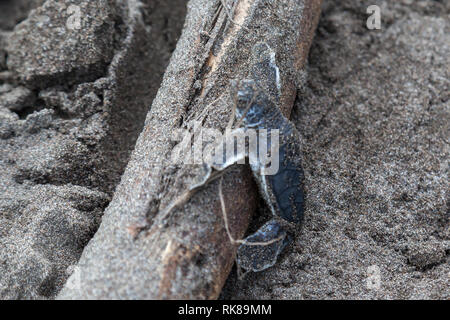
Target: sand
(373, 115)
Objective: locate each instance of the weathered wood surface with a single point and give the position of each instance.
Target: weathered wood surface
(130, 257)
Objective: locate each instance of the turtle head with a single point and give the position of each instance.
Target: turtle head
(249, 107)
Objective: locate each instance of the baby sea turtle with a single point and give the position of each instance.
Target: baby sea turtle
(282, 191)
(257, 109)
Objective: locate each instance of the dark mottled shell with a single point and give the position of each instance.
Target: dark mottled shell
(287, 189)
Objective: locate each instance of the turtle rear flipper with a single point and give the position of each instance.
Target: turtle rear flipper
(268, 242)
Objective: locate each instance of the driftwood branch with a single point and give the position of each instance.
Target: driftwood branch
(190, 256)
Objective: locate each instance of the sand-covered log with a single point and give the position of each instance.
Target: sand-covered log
(131, 256)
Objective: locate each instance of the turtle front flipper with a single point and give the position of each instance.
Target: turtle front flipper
(263, 247)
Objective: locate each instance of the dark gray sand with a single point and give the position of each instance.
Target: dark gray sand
(373, 115)
(71, 107)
